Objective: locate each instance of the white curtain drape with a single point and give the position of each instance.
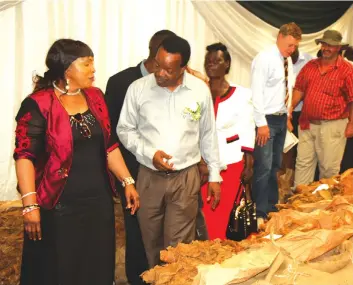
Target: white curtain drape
(118, 31)
(245, 34)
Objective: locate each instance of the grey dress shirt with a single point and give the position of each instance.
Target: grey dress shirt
(180, 123)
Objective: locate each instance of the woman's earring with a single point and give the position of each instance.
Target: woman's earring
(67, 86)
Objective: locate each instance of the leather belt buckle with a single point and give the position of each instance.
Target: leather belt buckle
(166, 172)
(170, 172)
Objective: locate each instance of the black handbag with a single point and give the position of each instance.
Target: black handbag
(242, 219)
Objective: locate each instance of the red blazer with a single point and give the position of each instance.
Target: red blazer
(53, 157)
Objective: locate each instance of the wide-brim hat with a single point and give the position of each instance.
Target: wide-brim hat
(333, 38)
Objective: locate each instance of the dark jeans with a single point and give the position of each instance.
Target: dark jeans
(267, 161)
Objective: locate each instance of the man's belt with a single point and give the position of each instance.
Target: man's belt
(170, 172)
(278, 114)
(316, 122)
(173, 171)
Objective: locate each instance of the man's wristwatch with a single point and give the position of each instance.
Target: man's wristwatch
(127, 181)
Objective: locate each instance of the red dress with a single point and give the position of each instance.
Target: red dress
(217, 220)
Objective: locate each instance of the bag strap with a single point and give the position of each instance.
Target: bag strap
(248, 192)
(240, 192)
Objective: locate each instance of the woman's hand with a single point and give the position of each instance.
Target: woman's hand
(247, 175)
(32, 227)
(132, 198)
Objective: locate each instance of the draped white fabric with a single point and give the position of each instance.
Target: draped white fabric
(118, 32)
(245, 34)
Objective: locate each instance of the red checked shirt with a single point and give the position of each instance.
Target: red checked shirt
(325, 95)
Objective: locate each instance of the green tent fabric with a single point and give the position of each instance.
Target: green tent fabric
(311, 16)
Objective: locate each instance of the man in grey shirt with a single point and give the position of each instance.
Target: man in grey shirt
(167, 122)
(135, 256)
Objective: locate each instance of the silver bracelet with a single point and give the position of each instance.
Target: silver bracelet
(127, 181)
(29, 209)
(27, 194)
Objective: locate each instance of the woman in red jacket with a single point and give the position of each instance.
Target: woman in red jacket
(65, 155)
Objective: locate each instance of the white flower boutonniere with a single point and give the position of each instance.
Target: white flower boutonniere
(193, 112)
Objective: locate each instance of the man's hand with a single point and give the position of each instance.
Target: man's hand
(247, 174)
(349, 130)
(289, 125)
(160, 161)
(203, 170)
(132, 198)
(290, 112)
(263, 135)
(214, 190)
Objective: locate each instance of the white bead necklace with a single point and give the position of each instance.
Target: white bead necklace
(66, 93)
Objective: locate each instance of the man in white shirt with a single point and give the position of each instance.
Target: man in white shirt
(269, 84)
(167, 122)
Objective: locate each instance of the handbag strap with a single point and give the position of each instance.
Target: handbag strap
(241, 190)
(248, 192)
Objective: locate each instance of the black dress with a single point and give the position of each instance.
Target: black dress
(78, 235)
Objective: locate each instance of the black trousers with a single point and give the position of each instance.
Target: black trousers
(201, 229)
(135, 255)
(347, 161)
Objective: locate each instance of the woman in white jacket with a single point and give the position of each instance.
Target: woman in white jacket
(236, 136)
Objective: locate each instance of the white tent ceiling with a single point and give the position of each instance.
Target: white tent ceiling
(7, 4)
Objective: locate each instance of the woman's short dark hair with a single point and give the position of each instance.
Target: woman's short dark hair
(176, 44)
(61, 54)
(223, 48)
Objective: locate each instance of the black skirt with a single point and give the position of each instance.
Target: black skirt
(77, 246)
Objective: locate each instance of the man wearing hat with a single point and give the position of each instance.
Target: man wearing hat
(325, 85)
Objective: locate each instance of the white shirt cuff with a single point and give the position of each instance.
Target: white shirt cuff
(214, 175)
(149, 153)
(261, 121)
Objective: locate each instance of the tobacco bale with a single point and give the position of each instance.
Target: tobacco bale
(11, 236)
(346, 184)
(182, 260)
(200, 252)
(335, 259)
